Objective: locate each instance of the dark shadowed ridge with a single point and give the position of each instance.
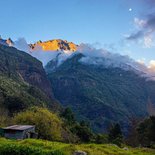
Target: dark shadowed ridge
(101, 95)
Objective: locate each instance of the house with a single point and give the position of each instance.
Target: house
(19, 132)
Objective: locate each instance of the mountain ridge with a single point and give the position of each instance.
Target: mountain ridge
(54, 45)
(49, 45)
(101, 95)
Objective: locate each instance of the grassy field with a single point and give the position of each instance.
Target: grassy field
(41, 147)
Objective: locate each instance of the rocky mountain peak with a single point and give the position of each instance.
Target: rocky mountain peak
(54, 45)
(9, 42)
(6, 42)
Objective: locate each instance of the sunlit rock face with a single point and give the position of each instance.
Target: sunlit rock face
(7, 42)
(54, 45)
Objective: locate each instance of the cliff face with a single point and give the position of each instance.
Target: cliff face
(23, 82)
(17, 64)
(54, 45)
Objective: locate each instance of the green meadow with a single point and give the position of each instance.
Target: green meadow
(42, 147)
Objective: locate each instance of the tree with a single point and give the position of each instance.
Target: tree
(115, 135)
(48, 125)
(132, 137)
(83, 131)
(4, 117)
(146, 132)
(68, 115)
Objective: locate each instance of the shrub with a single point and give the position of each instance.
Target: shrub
(48, 125)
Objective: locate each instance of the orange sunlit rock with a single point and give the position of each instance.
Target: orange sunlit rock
(54, 45)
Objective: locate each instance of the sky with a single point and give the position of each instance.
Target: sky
(122, 26)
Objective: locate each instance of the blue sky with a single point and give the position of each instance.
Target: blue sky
(103, 23)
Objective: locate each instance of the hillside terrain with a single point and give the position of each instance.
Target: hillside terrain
(101, 95)
(23, 81)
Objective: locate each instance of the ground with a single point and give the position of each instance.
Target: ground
(42, 147)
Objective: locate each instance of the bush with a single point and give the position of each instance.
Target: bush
(48, 125)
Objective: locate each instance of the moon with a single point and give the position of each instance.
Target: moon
(130, 9)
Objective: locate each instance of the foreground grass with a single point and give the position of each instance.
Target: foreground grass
(41, 147)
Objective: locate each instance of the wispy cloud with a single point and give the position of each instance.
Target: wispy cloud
(93, 56)
(145, 26)
(135, 35)
(145, 30)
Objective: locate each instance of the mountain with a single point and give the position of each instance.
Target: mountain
(7, 42)
(54, 45)
(101, 95)
(23, 81)
(50, 45)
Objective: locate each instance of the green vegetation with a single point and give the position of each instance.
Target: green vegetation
(146, 132)
(115, 135)
(23, 82)
(99, 96)
(16, 96)
(81, 130)
(48, 125)
(68, 116)
(41, 147)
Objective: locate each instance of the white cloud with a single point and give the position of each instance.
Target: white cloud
(139, 23)
(144, 31)
(151, 65)
(148, 41)
(44, 57)
(22, 45)
(93, 56)
(141, 61)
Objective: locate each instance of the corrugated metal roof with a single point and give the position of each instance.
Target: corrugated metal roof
(18, 127)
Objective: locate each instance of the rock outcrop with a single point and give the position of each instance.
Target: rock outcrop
(54, 45)
(80, 153)
(7, 42)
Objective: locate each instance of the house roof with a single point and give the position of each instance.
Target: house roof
(18, 127)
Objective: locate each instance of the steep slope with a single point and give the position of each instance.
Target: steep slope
(101, 95)
(54, 45)
(23, 81)
(21, 65)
